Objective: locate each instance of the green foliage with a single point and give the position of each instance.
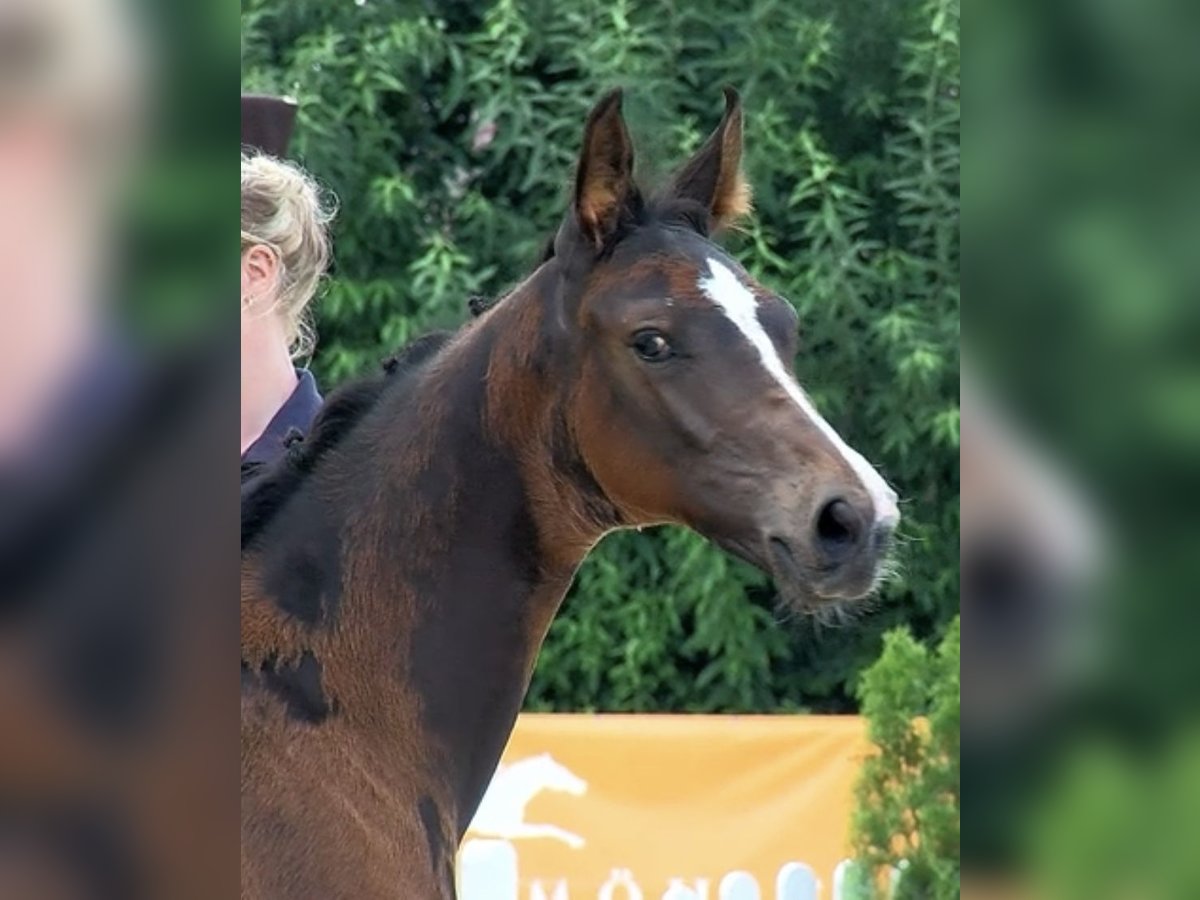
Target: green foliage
(449, 132)
(1121, 821)
(907, 815)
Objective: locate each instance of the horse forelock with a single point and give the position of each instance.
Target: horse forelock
(641, 209)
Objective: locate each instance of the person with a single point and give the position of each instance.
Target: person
(73, 110)
(285, 251)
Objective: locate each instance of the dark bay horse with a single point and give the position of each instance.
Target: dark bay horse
(402, 565)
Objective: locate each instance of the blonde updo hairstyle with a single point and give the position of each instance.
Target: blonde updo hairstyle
(285, 210)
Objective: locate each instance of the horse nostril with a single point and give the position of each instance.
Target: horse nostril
(838, 529)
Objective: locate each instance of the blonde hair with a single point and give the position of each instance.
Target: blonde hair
(285, 210)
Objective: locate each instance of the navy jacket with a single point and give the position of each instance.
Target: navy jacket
(298, 412)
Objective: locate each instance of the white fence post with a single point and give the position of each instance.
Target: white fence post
(738, 886)
(796, 881)
(679, 890)
(487, 870)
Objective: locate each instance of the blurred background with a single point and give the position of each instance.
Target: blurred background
(1081, 347)
(118, 385)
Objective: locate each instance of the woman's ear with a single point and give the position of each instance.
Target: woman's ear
(260, 273)
(604, 177)
(713, 176)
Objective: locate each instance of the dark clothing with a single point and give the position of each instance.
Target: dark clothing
(84, 430)
(298, 412)
(101, 389)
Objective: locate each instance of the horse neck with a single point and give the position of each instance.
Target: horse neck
(459, 560)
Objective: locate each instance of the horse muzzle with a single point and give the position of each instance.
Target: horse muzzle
(841, 555)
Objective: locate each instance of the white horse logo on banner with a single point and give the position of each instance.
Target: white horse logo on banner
(501, 814)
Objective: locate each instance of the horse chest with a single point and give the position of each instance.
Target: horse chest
(316, 825)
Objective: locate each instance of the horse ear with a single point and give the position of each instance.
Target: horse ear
(713, 176)
(604, 178)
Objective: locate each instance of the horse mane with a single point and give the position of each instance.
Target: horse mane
(267, 488)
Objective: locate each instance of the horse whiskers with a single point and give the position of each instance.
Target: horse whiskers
(782, 612)
(905, 537)
(842, 613)
(891, 569)
(838, 613)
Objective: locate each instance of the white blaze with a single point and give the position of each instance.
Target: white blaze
(740, 306)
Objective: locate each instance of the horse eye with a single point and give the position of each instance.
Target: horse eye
(652, 346)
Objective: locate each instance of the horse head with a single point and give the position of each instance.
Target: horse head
(681, 401)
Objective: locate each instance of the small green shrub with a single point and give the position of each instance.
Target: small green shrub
(908, 793)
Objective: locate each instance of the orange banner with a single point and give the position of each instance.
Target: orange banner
(674, 807)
